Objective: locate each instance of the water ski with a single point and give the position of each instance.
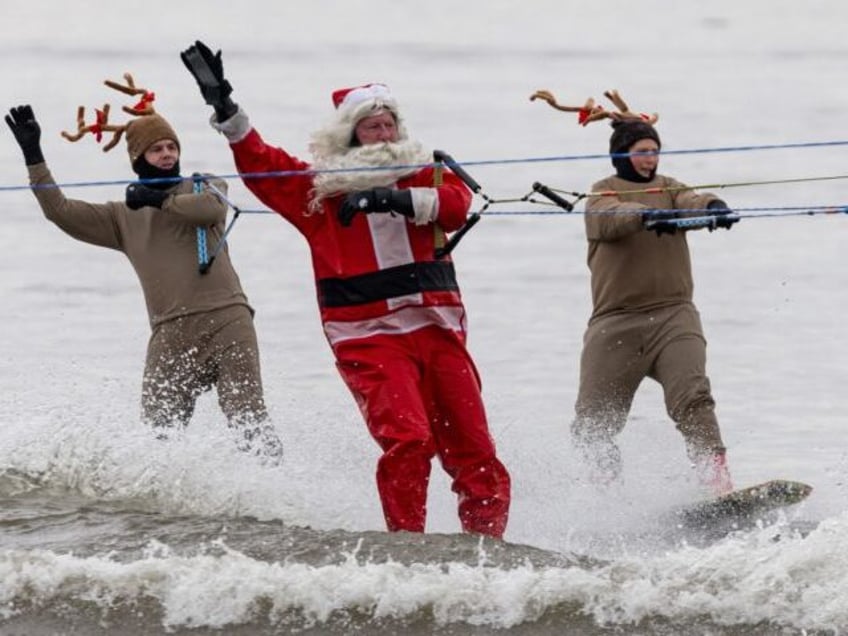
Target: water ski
(744, 507)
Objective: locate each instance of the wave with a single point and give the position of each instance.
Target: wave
(769, 579)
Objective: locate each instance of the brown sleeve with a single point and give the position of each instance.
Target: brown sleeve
(199, 208)
(608, 218)
(95, 223)
(685, 199)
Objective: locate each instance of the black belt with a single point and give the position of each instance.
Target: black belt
(383, 284)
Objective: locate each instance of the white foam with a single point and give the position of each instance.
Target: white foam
(799, 582)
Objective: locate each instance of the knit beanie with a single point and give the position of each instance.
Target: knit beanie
(627, 132)
(144, 131)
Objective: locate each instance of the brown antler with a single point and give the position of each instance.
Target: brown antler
(586, 113)
(101, 125)
(144, 106)
(624, 111)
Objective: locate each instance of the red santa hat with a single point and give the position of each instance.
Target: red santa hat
(347, 98)
(356, 103)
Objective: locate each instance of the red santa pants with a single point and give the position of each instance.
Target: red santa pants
(420, 396)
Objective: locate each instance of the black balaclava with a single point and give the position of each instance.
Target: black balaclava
(145, 170)
(624, 134)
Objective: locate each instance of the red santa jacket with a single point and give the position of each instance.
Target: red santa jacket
(379, 275)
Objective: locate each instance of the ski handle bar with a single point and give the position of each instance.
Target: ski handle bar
(553, 196)
(442, 157)
(693, 222)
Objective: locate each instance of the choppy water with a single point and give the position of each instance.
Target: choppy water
(76, 564)
(104, 530)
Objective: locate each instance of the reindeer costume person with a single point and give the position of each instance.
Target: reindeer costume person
(392, 313)
(202, 326)
(643, 323)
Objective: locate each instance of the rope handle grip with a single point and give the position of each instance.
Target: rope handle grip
(553, 196)
(693, 222)
(445, 158)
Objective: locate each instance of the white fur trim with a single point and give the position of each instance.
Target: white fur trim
(425, 202)
(364, 93)
(235, 128)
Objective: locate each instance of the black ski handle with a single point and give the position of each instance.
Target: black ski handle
(203, 268)
(447, 248)
(553, 196)
(443, 157)
(450, 162)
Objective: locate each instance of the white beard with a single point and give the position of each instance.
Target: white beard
(348, 171)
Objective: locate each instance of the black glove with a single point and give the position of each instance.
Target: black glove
(27, 132)
(376, 200)
(723, 215)
(139, 196)
(208, 69)
(659, 221)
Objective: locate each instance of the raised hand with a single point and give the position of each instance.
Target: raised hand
(27, 132)
(207, 68)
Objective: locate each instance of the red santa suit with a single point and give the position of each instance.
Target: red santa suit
(391, 311)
